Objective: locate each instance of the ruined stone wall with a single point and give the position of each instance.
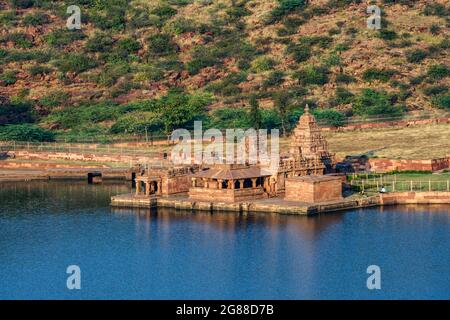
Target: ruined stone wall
(387, 165)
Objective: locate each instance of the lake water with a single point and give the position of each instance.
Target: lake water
(138, 254)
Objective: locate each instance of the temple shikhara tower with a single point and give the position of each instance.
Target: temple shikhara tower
(308, 142)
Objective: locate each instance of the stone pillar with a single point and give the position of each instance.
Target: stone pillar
(254, 182)
(230, 184)
(241, 184)
(138, 187)
(159, 184)
(205, 183)
(147, 188)
(219, 182)
(194, 182)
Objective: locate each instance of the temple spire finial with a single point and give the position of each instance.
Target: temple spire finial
(307, 109)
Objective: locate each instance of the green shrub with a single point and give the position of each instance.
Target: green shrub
(20, 40)
(228, 85)
(8, 77)
(63, 37)
(180, 26)
(387, 34)
(164, 12)
(435, 90)
(372, 74)
(77, 63)
(416, 55)
(110, 17)
(111, 72)
(35, 19)
(161, 44)
(342, 96)
(263, 64)
(54, 99)
(22, 4)
(436, 9)
(275, 78)
(39, 70)
(8, 18)
(372, 103)
(100, 42)
(300, 53)
(417, 80)
(344, 78)
(435, 29)
(312, 75)
(441, 101)
(321, 41)
(25, 132)
(129, 45)
(438, 71)
(285, 7)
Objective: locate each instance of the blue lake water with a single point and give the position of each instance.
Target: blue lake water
(138, 254)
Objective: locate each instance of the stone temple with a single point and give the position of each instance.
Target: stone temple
(308, 156)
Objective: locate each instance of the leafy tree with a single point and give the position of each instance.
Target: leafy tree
(25, 132)
(229, 118)
(16, 112)
(330, 117)
(179, 109)
(255, 114)
(282, 101)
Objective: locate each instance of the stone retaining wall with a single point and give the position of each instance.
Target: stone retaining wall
(92, 157)
(415, 198)
(43, 165)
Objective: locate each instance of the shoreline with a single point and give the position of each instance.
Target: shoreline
(279, 205)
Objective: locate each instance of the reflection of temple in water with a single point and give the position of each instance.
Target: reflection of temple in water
(308, 227)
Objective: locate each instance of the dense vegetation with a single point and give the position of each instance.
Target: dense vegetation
(153, 66)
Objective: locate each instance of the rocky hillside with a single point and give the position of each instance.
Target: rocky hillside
(218, 55)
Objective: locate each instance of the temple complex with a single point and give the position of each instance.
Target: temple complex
(234, 183)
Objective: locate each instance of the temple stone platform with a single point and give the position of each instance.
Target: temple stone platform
(271, 205)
